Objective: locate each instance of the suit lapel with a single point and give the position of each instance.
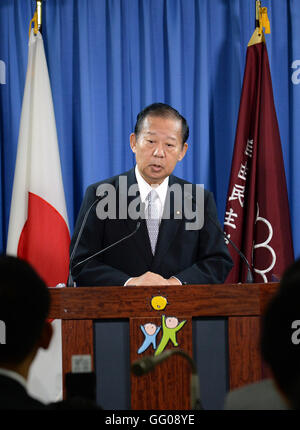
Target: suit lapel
(168, 227)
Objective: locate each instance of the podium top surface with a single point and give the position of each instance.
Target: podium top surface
(134, 302)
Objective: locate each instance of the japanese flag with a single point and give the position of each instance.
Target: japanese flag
(38, 226)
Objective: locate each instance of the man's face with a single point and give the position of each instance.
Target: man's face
(158, 148)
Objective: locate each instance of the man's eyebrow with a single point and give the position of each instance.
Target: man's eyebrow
(154, 133)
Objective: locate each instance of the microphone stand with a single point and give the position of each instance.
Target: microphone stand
(71, 282)
(148, 363)
(250, 277)
(109, 246)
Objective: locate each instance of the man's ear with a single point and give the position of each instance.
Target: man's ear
(133, 142)
(46, 335)
(183, 151)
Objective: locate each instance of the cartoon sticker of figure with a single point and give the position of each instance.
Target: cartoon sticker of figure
(170, 326)
(150, 331)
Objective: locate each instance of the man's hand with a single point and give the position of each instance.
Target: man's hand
(150, 278)
(174, 281)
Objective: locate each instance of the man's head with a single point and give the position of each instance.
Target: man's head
(278, 349)
(24, 307)
(159, 141)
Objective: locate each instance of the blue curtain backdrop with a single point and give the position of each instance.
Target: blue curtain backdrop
(107, 59)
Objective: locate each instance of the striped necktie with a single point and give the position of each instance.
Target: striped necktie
(153, 218)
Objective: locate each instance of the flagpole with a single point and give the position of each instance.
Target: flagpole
(39, 13)
(257, 7)
(38, 224)
(37, 19)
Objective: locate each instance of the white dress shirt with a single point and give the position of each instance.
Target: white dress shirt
(145, 189)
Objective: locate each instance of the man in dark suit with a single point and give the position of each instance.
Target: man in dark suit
(169, 247)
(24, 306)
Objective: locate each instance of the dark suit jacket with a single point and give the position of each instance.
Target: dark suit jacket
(194, 257)
(14, 396)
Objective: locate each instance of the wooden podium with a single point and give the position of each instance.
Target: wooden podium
(167, 387)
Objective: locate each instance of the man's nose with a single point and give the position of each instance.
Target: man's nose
(159, 150)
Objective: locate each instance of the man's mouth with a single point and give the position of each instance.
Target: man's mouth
(156, 166)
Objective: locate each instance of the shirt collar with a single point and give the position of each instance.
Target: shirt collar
(14, 375)
(145, 188)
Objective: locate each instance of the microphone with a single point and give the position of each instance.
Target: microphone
(138, 224)
(148, 363)
(71, 282)
(250, 278)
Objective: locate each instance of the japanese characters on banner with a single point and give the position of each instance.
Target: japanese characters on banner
(257, 217)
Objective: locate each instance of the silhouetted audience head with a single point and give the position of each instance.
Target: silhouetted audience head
(280, 339)
(24, 307)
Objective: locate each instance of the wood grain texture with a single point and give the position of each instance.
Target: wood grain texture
(266, 292)
(129, 302)
(77, 339)
(167, 387)
(245, 363)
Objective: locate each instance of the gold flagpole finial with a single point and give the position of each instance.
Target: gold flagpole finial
(257, 7)
(39, 12)
(261, 17)
(37, 18)
(261, 20)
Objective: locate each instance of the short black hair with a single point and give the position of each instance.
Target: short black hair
(278, 349)
(24, 307)
(165, 111)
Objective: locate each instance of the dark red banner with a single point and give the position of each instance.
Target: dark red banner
(257, 214)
